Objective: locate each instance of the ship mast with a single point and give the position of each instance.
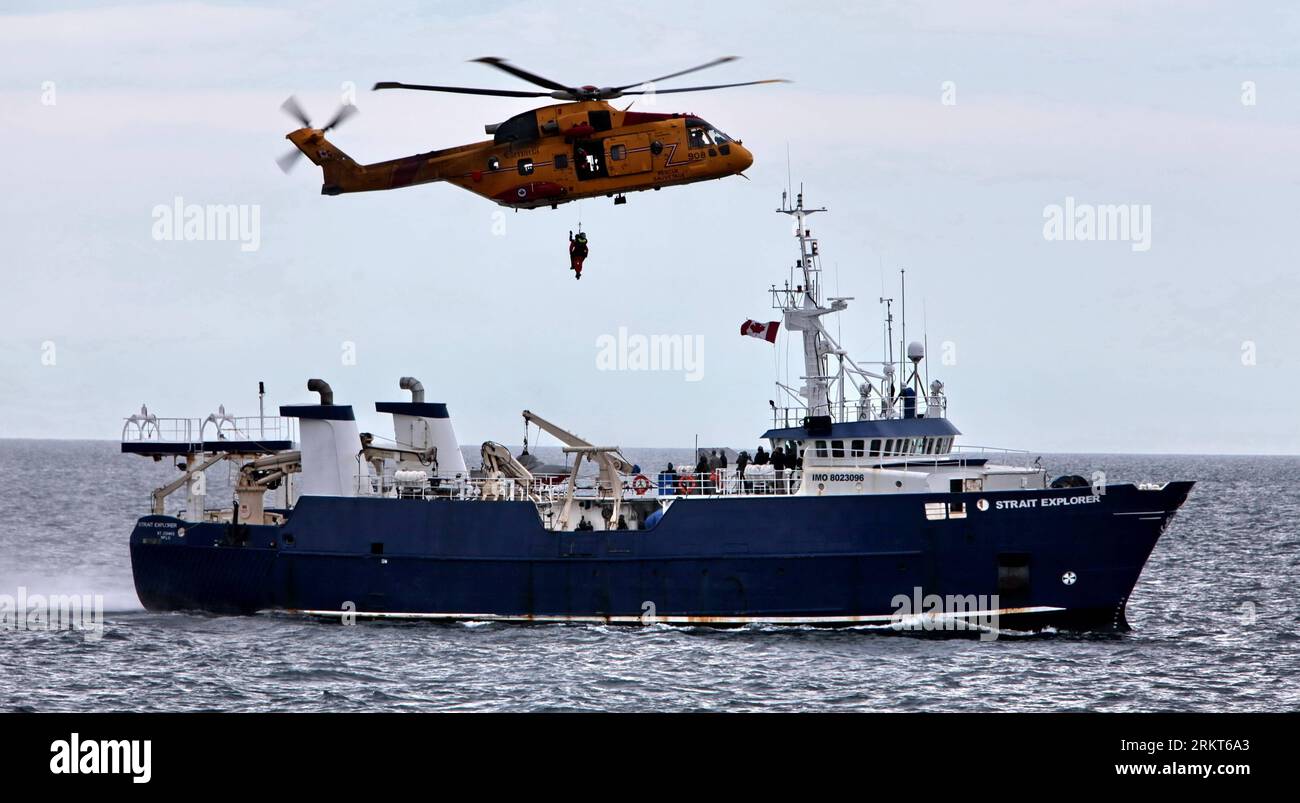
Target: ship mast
(801, 304)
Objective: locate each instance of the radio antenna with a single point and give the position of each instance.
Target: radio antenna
(789, 182)
(902, 343)
(925, 330)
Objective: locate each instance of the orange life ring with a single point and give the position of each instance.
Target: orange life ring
(686, 484)
(640, 484)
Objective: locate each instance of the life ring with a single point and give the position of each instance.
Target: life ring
(640, 484)
(686, 484)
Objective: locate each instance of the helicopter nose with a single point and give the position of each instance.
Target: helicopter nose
(743, 158)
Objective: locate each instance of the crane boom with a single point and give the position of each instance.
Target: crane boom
(569, 439)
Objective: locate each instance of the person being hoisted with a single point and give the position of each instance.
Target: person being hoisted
(577, 253)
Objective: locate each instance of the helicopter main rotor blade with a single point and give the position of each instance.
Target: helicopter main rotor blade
(503, 65)
(291, 107)
(462, 90)
(703, 88)
(713, 63)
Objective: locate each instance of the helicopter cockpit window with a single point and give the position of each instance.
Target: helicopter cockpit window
(719, 137)
(698, 138)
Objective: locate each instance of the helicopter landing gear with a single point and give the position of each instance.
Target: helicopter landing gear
(619, 200)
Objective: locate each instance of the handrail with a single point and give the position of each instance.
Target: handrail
(150, 428)
(873, 408)
(555, 487)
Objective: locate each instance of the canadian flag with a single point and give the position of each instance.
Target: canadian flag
(766, 331)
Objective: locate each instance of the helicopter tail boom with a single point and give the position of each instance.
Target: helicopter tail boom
(343, 175)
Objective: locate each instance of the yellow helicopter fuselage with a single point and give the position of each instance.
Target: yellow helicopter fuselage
(549, 156)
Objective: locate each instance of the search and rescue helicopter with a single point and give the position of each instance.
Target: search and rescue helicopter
(580, 148)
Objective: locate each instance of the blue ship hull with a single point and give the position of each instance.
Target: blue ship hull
(1063, 560)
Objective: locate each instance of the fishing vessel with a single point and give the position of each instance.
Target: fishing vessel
(869, 514)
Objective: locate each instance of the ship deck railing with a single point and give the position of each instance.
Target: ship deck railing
(870, 409)
(148, 434)
(758, 480)
(554, 488)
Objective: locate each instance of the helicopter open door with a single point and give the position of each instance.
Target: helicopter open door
(628, 154)
(589, 159)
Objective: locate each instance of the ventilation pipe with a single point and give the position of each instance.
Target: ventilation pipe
(323, 388)
(412, 384)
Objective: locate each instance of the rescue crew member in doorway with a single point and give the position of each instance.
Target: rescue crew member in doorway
(577, 253)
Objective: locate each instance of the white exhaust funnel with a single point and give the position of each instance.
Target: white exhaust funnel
(330, 443)
(419, 425)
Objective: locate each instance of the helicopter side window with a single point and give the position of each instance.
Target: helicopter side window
(697, 138)
(618, 153)
(561, 161)
(493, 163)
(525, 167)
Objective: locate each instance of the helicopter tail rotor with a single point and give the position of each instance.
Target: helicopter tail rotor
(309, 136)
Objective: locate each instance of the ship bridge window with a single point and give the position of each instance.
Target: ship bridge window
(858, 448)
(837, 448)
(821, 448)
(875, 447)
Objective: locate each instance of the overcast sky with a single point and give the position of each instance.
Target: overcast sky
(107, 111)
